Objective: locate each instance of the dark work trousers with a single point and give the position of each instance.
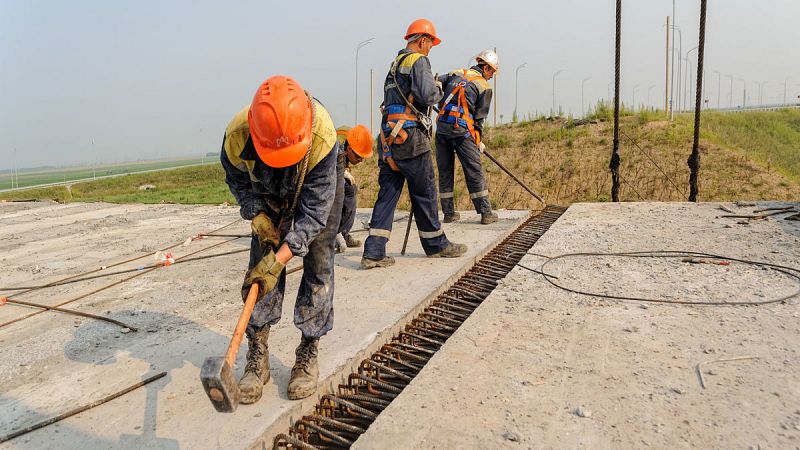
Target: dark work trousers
(447, 147)
(313, 309)
(418, 171)
(348, 208)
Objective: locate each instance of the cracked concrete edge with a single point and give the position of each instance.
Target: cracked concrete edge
(339, 376)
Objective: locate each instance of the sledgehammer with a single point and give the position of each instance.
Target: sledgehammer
(217, 374)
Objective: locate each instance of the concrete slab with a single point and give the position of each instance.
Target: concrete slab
(53, 362)
(516, 372)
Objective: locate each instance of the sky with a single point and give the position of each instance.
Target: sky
(158, 79)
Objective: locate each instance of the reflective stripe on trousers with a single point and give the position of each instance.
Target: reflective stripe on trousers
(447, 148)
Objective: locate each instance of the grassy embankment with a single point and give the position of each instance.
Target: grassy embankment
(751, 156)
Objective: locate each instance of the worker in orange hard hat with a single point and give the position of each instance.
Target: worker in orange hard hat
(357, 145)
(409, 92)
(282, 163)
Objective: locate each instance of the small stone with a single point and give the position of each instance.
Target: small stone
(677, 391)
(257, 415)
(125, 330)
(580, 411)
(511, 436)
(643, 306)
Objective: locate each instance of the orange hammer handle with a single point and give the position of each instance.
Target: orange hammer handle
(241, 325)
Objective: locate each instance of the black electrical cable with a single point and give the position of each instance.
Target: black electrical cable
(790, 272)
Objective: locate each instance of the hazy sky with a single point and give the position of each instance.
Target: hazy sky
(149, 79)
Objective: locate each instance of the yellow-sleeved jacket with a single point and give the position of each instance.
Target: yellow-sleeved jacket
(258, 187)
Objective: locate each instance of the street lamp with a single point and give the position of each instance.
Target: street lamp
(651, 88)
(744, 92)
(633, 102)
(516, 86)
(687, 85)
(358, 47)
(680, 52)
(730, 103)
(760, 92)
(583, 114)
(555, 74)
(719, 83)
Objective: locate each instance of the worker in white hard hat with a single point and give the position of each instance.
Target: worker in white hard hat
(458, 132)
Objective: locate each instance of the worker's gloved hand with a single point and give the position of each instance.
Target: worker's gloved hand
(266, 273)
(349, 177)
(481, 147)
(267, 233)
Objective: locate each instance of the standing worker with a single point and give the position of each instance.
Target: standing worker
(458, 132)
(282, 164)
(356, 144)
(409, 92)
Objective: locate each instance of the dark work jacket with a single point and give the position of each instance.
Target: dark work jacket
(478, 95)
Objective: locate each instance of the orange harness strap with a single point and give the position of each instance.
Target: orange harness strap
(461, 104)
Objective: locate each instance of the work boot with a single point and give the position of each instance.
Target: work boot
(351, 241)
(488, 217)
(451, 251)
(305, 372)
(451, 217)
(368, 263)
(256, 373)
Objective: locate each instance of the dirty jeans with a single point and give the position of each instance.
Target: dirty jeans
(313, 309)
(418, 171)
(348, 208)
(447, 147)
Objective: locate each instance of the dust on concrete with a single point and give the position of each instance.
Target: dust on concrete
(536, 367)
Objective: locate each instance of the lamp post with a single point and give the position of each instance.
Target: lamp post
(363, 43)
(688, 83)
(648, 92)
(680, 71)
(688, 61)
(583, 82)
(744, 92)
(516, 86)
(555, 74)
(730, 103)
(633, 100)
(760, 92)
(719, 84)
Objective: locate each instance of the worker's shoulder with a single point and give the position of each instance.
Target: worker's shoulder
(481, 84)
(239, 123)
(324, 133)
(236, 135)
(406, 63)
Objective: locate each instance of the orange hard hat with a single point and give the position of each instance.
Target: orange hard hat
(280, 122)
(423, 26)
(359, 139)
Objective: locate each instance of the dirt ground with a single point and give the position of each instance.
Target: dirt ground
(52, 362)
(537, 367)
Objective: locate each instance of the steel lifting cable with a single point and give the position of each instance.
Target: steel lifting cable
(791, 272)
(694, 158)
(614, 164)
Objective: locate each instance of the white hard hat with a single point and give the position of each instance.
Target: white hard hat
(490, 58)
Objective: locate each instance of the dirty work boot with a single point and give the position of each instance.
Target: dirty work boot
(488, 217)
(305, 372)
(367, 263)
(256, 373)
(451, 217)
(451, 251)
(351, 241)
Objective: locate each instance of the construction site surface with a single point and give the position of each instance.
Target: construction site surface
(534, 366)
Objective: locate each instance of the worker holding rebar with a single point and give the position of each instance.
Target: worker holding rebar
(283, 165)
(410, 90)
(356, 144)
(459, 128)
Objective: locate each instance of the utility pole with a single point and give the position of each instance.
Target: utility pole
(516, 87)
(672, 75)
(358, 47)
(666, 73)
(554, 90)
(583, 113)
(371, 103)
(730, 103)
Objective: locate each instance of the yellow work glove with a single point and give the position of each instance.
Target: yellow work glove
(266, 232)
(265, 273)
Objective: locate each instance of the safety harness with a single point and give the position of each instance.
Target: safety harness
(399, 117)
(457, 113)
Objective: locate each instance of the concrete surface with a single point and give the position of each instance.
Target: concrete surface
(537, 367)
(54, 362)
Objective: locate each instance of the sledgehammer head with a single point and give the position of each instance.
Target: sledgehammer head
(220, 384)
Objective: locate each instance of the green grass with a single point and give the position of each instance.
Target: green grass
(35, 177)
(199, 184)
(771, 138)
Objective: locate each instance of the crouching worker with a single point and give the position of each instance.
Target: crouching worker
(282, 164)
(356, 145)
